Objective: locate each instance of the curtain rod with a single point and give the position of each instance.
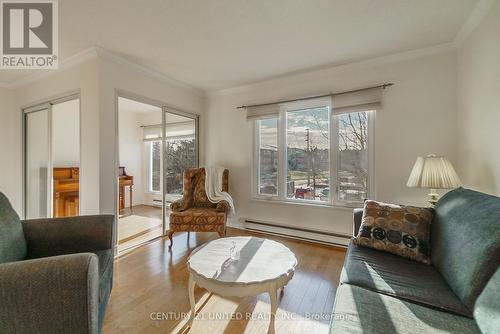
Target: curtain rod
(383, 86)
(166, 124)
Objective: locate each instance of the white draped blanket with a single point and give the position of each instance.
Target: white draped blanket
(213, 187)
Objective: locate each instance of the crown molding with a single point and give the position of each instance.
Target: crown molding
(65, 64)
(388, 59)
(98, 52)
(108, 55)
(474, 20)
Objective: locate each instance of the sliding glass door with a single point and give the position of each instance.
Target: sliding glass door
(180, 152)
(155, 145)
(52, 159)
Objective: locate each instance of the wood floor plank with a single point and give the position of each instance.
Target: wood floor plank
(150, 292)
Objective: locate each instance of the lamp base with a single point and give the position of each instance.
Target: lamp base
(433, 197)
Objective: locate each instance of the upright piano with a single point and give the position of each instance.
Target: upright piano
(66, 191)
(124, 180)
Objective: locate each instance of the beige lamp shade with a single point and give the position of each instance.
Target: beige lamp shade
(433, 172)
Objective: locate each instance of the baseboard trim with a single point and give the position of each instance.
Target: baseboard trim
(299, 233)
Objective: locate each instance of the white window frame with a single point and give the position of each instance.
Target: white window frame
(333, 200)
(256, 164)
(149, 163)
(169, 196)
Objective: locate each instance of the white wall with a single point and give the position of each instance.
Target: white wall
(96, 79)
(10, 143)
(114, 76)
(131, 153)
(479, 105)
(418, 117)
(82, 78)
(66, 134)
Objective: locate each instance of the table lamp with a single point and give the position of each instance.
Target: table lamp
(433, 172)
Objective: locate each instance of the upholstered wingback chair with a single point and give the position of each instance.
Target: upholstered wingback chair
(194, 212)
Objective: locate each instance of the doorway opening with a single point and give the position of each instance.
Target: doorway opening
(156, 145)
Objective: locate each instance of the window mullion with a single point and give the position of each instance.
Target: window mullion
(334, 160)
(282, 160)
(150, 166)
(370, 193)
(256, 165)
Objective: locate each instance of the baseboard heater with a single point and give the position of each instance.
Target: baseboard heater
(324, 237)
(157, 203)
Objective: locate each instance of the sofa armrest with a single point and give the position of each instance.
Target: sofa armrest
(57, 236)
(57, 294)
(222, 206)
(357, 216)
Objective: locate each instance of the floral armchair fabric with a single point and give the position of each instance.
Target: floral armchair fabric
(194, 212)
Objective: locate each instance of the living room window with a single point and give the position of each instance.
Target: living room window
(268, 157)
(180, 155)
(307, 154)
(154, 164)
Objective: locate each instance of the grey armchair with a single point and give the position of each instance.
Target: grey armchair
(55, 274)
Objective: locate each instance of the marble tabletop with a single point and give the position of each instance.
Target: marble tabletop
(260, 260)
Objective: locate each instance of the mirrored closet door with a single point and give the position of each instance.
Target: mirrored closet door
(52, 159)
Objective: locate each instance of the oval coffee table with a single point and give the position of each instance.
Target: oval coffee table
(264, 266)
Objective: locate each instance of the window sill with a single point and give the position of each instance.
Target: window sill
(342, 206)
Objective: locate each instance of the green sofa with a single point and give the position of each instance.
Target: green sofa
(459, 293)
(55, 274)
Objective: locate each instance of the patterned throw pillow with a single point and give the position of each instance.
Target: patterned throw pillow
(396, 229)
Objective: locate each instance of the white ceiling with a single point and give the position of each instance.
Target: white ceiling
(218, 44)
(131, 106)
(128, 106)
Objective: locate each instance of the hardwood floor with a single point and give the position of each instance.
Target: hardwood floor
(142, 210)
(150, 292)
(138, 225)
